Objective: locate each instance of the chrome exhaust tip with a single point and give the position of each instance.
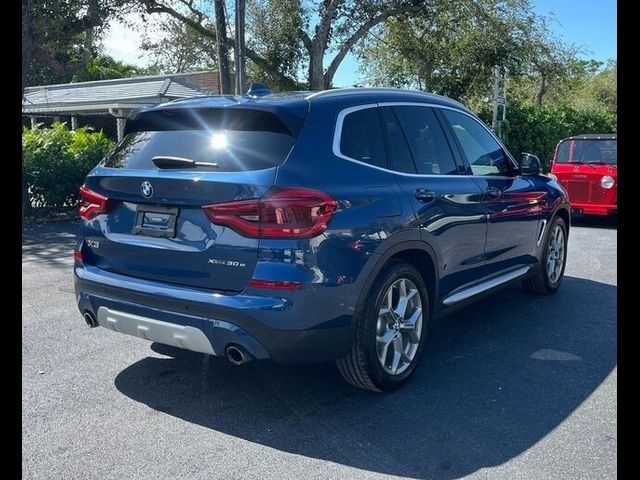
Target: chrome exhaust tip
(91, 320)
(237, 355)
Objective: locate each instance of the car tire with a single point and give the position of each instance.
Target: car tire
(543, 282)
(369, 365)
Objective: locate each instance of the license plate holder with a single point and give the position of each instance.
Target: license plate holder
(155, 221)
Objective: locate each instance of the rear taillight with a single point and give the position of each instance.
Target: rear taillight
(92, 204)
(281, 213)
(77, 257)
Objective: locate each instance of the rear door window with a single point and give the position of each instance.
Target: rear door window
(427, 141)
(400, 159)
(361, 137)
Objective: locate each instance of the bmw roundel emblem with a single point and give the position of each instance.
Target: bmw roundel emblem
(147, 189)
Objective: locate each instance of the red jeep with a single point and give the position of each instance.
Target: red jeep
(587, 167)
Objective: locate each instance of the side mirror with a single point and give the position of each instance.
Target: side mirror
(530, 164)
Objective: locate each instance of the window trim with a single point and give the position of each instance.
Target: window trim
(337, 134)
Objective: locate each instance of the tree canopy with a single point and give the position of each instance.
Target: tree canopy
(315, 35)
(59, 38)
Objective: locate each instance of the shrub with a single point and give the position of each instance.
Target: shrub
(537, 130)
(55, 162)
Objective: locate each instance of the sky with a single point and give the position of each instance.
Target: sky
(591, 24)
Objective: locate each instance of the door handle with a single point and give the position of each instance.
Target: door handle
(493, 192)
(424, 196)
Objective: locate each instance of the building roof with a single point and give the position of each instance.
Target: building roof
(100, 96)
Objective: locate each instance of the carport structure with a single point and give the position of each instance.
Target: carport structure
(113, 98)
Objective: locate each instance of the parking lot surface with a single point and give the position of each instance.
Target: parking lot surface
(515, 386)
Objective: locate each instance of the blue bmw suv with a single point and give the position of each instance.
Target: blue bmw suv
(307, 227)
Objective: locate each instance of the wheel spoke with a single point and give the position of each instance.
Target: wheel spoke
(395, 362)
(386, 314)
(403, 303)
(398, 354)
(383, 344)
(390, 298)
(402, 288)
(408, 327)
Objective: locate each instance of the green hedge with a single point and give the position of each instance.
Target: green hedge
(537, 130)
(55, 162)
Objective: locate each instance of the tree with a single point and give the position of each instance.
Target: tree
(551, 61)
(104, 67)
(174, 47)
(59, 37)
(451, 47)
(274, 27)
(224, 69)
(327, 26)
(604, 87)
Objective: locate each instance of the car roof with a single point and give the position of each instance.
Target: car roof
(291, 107)
(593, 136)
(298, 101)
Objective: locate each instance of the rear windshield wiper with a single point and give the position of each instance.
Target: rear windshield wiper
(180, 162)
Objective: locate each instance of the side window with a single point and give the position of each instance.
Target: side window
(484, 154)
(400, 157)
(361, 137)
(426, 140)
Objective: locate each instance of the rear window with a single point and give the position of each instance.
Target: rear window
(223, 140)
(230, 150)
(588, 151)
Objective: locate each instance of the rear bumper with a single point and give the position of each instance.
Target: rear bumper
(594, 208)
(283, 329)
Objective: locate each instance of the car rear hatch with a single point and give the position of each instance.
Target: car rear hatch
(143, 203)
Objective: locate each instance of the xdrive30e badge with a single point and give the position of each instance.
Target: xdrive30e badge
(147, 189)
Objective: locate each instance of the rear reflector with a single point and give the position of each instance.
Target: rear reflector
(281, 213)
(92, 204)
(255, 283)
(77, 257)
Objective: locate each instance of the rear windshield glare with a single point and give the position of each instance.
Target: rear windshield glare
(227, 150)
(588, 151)
(218, 139)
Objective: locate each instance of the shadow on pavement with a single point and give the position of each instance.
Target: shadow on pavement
(594, 221)
(51, 243)
(496, 378)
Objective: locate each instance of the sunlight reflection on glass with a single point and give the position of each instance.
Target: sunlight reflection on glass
(219, 141)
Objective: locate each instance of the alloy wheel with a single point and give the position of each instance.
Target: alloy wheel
(399, 326)
(555, 254)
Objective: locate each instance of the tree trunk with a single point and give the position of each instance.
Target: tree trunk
(316, 70)
(223, 51)
(541, 91)
(428, 75)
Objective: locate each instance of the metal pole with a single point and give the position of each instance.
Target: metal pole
(74, 123)
(120, 121)
(496, 93)
(240, 67)
(504, 95)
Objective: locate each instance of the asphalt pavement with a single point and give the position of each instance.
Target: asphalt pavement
(515, 386)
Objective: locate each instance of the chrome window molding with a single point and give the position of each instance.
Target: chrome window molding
(337, 136)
